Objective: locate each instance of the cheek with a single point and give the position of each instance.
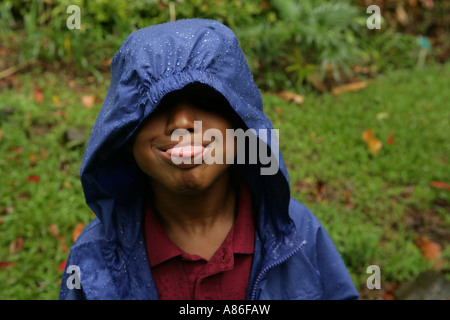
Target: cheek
(142, 152)
(141, 159)
(142, 146)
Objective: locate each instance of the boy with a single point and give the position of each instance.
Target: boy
(171, 223)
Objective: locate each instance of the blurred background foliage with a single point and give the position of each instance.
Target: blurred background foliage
(316, 43)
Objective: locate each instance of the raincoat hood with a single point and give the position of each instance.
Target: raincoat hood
(151, 63)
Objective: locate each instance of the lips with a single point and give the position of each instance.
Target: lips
(187, 151)
(183, 156)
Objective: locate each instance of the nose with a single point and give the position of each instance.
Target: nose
(181, 116)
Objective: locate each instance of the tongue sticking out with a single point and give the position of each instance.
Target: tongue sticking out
(185, 151)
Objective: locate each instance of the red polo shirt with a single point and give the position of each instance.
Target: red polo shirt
(182, 276)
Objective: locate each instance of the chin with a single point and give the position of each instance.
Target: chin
(197, 180)
(189, 184)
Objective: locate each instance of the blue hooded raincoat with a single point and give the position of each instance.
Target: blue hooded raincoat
(294, 257)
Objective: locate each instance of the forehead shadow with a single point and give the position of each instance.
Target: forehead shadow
(204, 97)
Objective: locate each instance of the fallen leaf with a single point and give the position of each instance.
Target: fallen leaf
(38, 94)
(16, 150)
(440, 184)
(354, 86)
(362, 69)
(33, 178)
(67, 44)
(408, 190)
(106, 62)
(291, 97)
(401, 15)
(382, 115)
(16, 245)
(53, 229)
(77, 230)
(7, 210)
(62, 266)
(372, 142)
(315, 138)
(430, 250)
(88, 101)
(61, 113)
(56, 101)
(67, 184)
(320, 191)
(429, 4)
(388, 296)
(278, 110)
(162, 5)
(348, 199)
(7, 264)
(264, 5)
(389, 291)
(33, 159)
(43, 153)
(316, 82)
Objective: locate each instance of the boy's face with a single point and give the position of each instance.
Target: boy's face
(153, 148)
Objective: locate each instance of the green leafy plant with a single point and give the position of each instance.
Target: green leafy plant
(302, 69)
(307, 39)
(386, 50)
(324, 30)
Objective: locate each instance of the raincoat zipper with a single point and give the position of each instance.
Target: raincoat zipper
(272, 265)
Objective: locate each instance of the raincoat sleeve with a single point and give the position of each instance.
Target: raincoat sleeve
(336, 281)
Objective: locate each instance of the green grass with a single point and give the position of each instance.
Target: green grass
(369, 204)
(34, 144)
